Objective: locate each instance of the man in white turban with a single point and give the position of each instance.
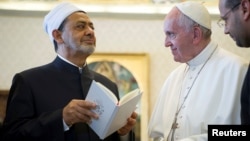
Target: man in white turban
(47, 103)
(205, 88)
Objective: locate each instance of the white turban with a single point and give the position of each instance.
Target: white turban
(56, 16)
(197, 12)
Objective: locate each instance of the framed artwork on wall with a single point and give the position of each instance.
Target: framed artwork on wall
(128, 71)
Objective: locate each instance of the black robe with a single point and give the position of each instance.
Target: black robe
(38, 96)
(245, 100)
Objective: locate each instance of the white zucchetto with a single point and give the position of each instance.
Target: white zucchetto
(56, 16)
(197, 12)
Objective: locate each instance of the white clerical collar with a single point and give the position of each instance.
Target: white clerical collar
(203, 56)
(64, 59)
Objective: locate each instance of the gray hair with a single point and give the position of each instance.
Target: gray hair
(188, 23)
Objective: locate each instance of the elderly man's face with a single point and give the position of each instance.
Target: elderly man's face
(78, 33)
(177, 38)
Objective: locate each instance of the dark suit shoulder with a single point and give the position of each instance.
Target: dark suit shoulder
(36, 71)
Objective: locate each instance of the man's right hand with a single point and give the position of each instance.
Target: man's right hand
(79, 111)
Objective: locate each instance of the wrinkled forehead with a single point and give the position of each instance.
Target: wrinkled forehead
(78, 15)
(172, 17)
(76, 19)
(174, 12)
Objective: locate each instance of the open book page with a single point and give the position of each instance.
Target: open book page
(105, 108)
(130, 96)
(125, 110)
(108, 92)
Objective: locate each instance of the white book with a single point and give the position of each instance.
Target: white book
(113, 114)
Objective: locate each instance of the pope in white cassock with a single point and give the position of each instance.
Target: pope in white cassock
(205, 89)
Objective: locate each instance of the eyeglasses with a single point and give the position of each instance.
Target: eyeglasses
(222, 21)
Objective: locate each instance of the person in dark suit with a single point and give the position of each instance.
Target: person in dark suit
(47, 103)
(235, 19)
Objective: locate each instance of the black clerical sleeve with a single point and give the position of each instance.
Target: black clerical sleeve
(245, 100)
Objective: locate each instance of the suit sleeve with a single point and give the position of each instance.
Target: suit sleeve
(23, 123)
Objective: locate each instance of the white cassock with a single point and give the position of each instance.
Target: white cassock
(213, 98)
